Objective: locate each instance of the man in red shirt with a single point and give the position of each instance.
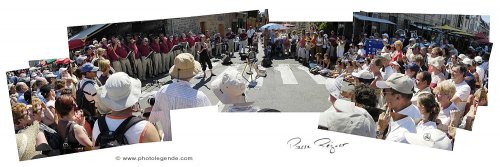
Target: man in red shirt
(122, 53)
(113, 57)
(230, 41)
(164, 54)
(156, 56)
(145, 51)
(137, 59)
(190, 40)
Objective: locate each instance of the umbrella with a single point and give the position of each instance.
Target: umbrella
(273, 26)
(462, 33)
(62, 61)
(289, 25)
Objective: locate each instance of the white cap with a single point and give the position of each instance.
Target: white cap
(467, 61)
(348, 118)
(461, 56)
(363, 74)
(360, 44)
(433, 138)
(336, 86)
(478, 59)
(398, 82)
(437, 61)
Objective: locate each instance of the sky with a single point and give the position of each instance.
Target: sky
(486, 18)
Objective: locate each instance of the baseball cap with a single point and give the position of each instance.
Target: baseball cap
(433, 138)
(398, 82)
(348, 118)
(413, 67)
(363, 74)
(87, 67)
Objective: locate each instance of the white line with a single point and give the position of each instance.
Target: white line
(286, 74)
(317, 78)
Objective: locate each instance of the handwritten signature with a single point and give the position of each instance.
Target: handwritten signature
(296, 143)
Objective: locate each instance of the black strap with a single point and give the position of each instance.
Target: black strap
(83, 86)
(122, 128)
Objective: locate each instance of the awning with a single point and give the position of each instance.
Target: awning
(428, 28)
(463, 33)
(366, 18)
(78, 40)
(446, 28)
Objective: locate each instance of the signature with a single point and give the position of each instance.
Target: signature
(296, 143)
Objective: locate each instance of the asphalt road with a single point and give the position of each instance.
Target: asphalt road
(288, 86)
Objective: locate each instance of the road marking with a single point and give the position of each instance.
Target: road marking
(317, 78)
(286, 74)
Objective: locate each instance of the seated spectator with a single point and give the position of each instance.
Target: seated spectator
(366, 98)
(429, 110)
(449, 113)
(432, 138)
(230, 89)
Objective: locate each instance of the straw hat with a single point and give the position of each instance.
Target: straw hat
(185, 66)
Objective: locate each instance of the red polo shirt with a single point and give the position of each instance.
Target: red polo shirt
(191, 40)
(170, 45)
(134, 49)
(175, 41)
(112, 56)
(144, 50)
(155, 47)
(183, 40)
(164, 46)
(121, 52)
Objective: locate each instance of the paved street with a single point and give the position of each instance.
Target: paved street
(288, 86)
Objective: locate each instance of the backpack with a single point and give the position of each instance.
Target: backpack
(82, 102)
(68, 147)
(107, 138)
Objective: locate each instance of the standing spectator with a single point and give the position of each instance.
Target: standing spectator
(230, 36)
(243, 41)
(104, 71)
(250, 33)
(71, 125)
(179, 94)
(397, 55)
(86, 100)
(122, 106)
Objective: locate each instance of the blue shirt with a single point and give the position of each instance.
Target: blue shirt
(39, 95)
(20, 98)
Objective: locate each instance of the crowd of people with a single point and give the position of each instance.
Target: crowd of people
(418, 93)
(92, 101)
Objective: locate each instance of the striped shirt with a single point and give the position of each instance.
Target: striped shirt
(177, 95)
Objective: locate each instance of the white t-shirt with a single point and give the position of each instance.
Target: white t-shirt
(134, 135)
(480, 71)
(397, 129)
(445, 115)
(412, 112)
(388, 72)
(91, 90)
(361, 52)
(463, 92)
(421, 127)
